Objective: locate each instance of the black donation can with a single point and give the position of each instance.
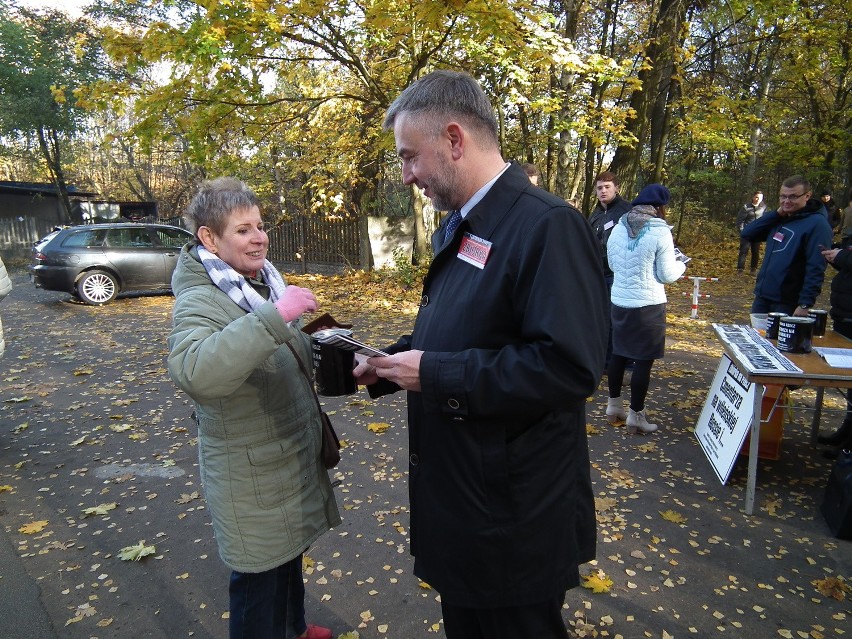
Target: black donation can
(772, 321)
(820, 318)
(795, 334)
(333, 367)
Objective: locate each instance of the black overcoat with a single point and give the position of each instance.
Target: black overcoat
(502, 508)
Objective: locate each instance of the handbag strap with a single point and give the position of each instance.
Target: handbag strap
(305, 373)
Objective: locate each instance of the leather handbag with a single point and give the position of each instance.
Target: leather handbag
(330, 450)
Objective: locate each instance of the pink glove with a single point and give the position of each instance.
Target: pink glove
(295, 301)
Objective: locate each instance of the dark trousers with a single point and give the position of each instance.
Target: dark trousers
(537, 621)
(763, 305)
(268, 605)
(745, 245)
(845, 329)
(609, 280)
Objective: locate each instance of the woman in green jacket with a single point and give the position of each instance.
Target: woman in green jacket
(233, 349)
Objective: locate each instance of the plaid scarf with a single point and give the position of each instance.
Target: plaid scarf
(236, 286)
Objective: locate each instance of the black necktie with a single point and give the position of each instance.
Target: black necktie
(452, 224)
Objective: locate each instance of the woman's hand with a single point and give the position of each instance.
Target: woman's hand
(295, 301)
(364, 373)
(829, 254)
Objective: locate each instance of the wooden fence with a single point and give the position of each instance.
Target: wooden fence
(300, 243)
(20, 233)
(312, 241)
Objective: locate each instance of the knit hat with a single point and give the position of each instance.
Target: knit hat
(653, 194)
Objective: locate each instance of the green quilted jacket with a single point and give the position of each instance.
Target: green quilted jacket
(259, 428)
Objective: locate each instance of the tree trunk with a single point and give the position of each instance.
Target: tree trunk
(565, 155)
(421, 244)
(664, 38)
(50, 147)
(760, 106)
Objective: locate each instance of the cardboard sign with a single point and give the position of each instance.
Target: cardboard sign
(726, 418)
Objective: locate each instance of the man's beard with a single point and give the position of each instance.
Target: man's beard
(445, 191)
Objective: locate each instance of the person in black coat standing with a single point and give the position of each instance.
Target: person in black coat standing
(841, 313)
(748, 214)
(502, 507)
(609, 209)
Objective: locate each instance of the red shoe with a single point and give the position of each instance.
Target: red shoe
(317, 632)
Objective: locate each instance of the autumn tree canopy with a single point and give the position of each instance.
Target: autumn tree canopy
(715, 99)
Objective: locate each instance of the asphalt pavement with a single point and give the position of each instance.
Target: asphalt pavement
(98, 455)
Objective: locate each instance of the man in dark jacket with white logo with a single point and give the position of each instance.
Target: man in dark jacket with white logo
(502, 507)
(793, 269)
(611, 206)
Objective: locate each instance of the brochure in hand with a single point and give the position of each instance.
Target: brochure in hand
(679, 255)
(342, 338)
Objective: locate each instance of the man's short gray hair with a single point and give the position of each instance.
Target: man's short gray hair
(446, 93)
(215, 201)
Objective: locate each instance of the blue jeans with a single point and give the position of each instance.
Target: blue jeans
(268, 605)
(763, 305)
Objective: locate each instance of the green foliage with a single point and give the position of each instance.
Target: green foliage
(404, 273)
(46, 61)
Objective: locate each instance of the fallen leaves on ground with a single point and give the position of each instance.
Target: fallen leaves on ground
(137, 552)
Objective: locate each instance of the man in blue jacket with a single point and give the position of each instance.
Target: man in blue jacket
(793, 269)
(508, 343)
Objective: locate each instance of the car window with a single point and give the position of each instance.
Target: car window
(128, 237)
(173, 238)
(87, 237)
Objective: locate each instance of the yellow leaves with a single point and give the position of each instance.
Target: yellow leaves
(58, 93)
(377, 427)
(137, 552)
(83, 611)
(673, 516)
(5, 488)
(771, 506)
(349, 635)
(185, 498)
(101, 509)
(597, 581)
(834, 587)
(33, 527)
(83, 371)
(79, 441)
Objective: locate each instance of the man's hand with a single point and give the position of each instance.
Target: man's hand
(801, 312)
(401, 368)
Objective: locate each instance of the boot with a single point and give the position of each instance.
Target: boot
(637, 422)
(838, 436)
(615, 410)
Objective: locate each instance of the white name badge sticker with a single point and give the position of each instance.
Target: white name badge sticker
(778, 237)
(474, 250)
(609, 225)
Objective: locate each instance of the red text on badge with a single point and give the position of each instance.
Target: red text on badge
(474, 250)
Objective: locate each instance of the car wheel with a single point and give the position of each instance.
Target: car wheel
(97, 287)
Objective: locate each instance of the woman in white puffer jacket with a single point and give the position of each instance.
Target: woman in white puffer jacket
(642, 257)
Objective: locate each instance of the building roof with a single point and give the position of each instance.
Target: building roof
(41, 188)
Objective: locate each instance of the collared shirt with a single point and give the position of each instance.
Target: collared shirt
(477, 197)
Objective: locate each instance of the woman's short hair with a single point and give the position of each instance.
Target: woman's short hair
(214, 202)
